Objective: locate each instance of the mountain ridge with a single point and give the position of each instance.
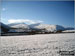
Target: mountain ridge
(37, 26)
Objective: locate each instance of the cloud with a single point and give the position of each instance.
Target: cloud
(24, 20)
(3, 9)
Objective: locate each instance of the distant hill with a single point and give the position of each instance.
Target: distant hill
(48, 28)
(19, 25)
(38, 27)
(4, 27)
(69, 28)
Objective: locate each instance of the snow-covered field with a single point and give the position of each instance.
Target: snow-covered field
(37, 45)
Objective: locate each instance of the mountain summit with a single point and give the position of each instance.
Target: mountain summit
(19, 25)
(47, 27)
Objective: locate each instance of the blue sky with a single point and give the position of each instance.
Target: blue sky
(46, 12)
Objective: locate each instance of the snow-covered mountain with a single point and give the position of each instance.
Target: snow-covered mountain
(22, 27)
(47, 27)
(19, 25)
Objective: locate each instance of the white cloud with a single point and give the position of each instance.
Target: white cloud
(24, 20)
(3, 9)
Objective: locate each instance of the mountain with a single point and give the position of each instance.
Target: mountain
(47, 27)
(69, 28)
(19, 25)
(4, 27)
(38, 27)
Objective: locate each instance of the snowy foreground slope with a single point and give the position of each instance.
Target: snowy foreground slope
(37, 45)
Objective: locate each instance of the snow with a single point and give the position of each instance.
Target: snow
(48, 27)
(69, 31)
(37, 45)
(19, 25)
(23, 27)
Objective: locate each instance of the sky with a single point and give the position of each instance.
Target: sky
(45, 12)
